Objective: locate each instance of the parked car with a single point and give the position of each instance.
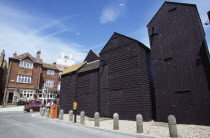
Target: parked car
(33, 107)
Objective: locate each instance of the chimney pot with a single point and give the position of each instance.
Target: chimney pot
(15, 54)
(38, 54)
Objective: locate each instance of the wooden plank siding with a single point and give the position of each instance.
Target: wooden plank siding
(181, 64)
(88, 92)
(67, 92)
(124, 79)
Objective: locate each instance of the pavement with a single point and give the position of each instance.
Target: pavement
(25, 125)
(9, 109)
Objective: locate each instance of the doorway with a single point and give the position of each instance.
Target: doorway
(10, 98)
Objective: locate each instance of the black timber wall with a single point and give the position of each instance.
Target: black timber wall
(124, 79)
(91, 56)
(67, 92)
(88, 92)
(181, 64)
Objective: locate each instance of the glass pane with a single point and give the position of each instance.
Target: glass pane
(19, 78)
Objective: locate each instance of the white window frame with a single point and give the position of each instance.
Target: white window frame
(49, 83)
(50, 72)
(25, 64)
(23, 79)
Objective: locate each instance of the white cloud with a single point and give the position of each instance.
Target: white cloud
(22, 32)
(121, 4)
(112, 12)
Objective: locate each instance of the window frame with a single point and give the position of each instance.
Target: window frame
(23, 78)
(50, 72)
(49, 83)
(25, 64)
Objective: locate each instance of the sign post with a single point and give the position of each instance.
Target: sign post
(75, 111)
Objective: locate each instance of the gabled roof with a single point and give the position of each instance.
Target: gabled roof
(91, 56)
(73, 68)
(50, 66)
(186, 4)
(22, 56)
(118, 34)
(90, 66)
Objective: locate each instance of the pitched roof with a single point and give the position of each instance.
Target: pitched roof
(90, 66)
(91, 56)
(49, 66)
(73, 68)
(118, 34)
(187, 4)
(35, 60)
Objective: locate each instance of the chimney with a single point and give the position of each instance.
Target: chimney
(209, 15)
(38, 54)
(2, 54)
(15, 54)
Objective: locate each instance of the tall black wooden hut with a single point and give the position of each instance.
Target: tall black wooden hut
(181, 64)
(124, 78)
(87, 93)
(68, 87)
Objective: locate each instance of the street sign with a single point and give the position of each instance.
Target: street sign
(75, 106)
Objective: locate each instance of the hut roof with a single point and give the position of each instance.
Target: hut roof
(118, 34)
(91, 56)
(90, 66)
(166, 2)
(73, 68)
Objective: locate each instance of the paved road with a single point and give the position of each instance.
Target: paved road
(23, 125)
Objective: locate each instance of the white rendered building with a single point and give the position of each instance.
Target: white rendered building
(64, 61)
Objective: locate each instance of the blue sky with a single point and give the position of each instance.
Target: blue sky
(76, 26)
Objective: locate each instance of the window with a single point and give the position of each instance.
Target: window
(25, 64)
(24, 79)
(49, 83)
(50, 72)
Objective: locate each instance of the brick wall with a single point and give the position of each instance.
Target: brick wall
(46, 76)
(16, 69)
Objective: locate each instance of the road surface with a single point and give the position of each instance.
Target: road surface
(24, 125)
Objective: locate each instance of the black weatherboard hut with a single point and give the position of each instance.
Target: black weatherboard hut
(88, 88)
(68, 87)
(181, 64)
(87, 92)
(125, 78)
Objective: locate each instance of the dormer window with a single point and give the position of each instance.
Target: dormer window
(50, 72)
(25, 64)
